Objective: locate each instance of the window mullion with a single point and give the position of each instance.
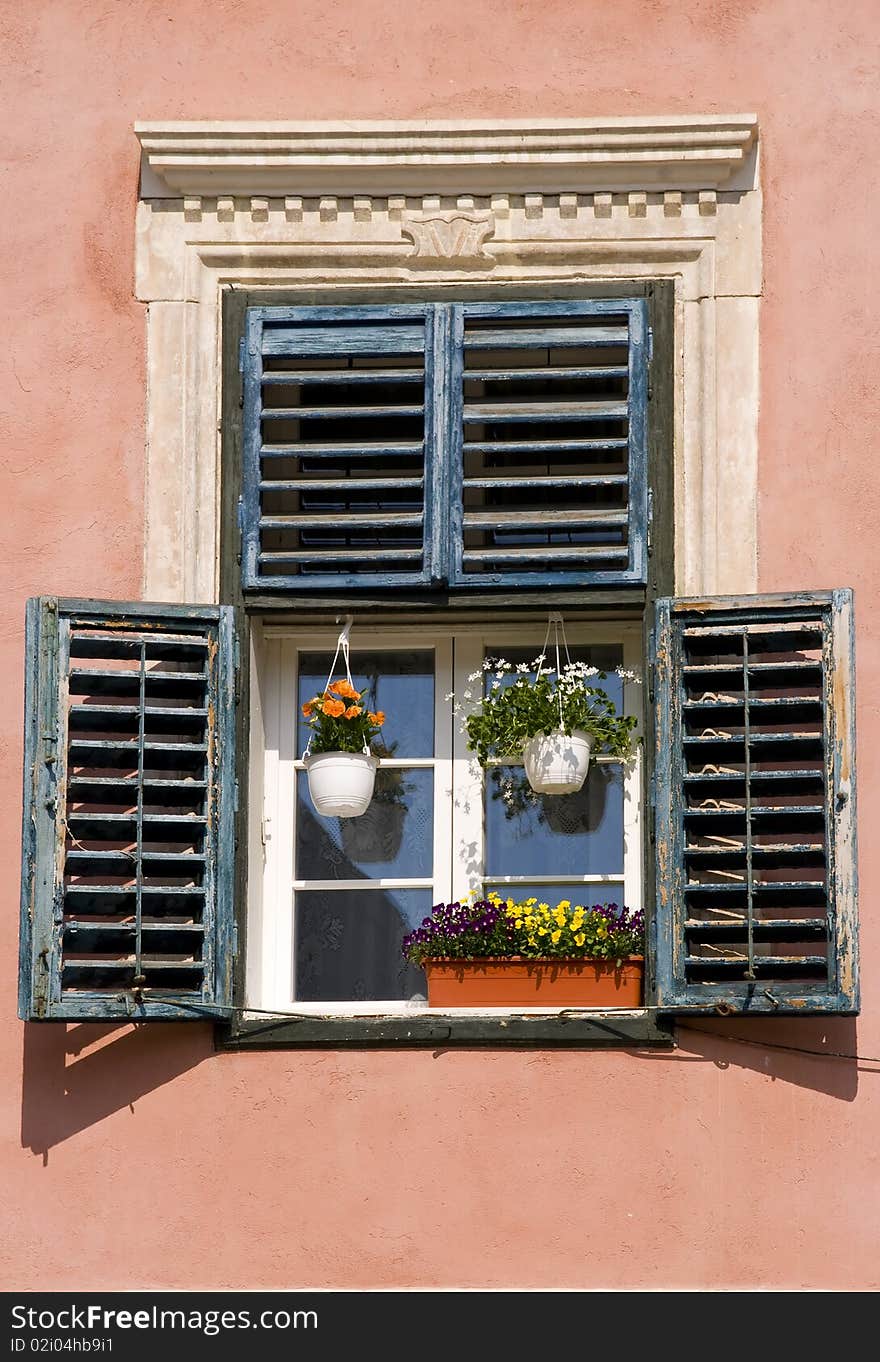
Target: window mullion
(467, 780)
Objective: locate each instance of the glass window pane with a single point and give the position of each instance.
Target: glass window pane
(394, 838)
(399, 683)
(588, 895)
(348, 944)
(533, 834)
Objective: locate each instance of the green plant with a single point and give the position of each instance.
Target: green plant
(496, 927)
(526, 701)
(338, 720)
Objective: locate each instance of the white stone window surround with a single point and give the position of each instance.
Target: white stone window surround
(378, 205)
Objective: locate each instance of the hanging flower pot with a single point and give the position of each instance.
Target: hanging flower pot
(557, 763)
(341, 783)
(340, 766)
(549, 717)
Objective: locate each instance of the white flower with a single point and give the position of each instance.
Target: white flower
(496, 685)
(475, 676)
(522, 667)
(488, 665)
(450, 696)
(468, 694)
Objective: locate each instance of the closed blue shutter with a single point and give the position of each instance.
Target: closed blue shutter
(129, 792)
(755, 804)
(467, 444)
(340, 431)
(549, 482)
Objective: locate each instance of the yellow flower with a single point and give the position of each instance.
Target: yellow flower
(519, 922)
(564, 903)
(579, 939)
(530, 903)
(542, 931)
(554, 937)
(510, 903)
(544, 907)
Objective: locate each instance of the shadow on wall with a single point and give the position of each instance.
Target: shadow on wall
(811, 1052)
(75, 1076)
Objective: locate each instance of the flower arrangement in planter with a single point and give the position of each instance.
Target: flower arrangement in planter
(341, 768)
(550, 718)
(503, 953)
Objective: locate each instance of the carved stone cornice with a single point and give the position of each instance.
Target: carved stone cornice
(221, 159)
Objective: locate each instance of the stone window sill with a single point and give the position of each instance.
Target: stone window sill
(638, 1029)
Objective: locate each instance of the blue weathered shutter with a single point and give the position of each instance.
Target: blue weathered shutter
(755, 804)
(548, 466)
(129, 793)
(340, 431)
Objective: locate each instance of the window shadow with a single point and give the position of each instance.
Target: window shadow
(74, 1076)
(810, 1052)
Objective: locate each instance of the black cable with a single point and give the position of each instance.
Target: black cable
(681, 1026)
(772, 1045)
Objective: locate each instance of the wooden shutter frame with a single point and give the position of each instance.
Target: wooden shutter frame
(44, 813)
(671, 990)
(435, 406)
(638, 360)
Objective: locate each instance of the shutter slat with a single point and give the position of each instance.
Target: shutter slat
(332, 555)
(338, 377)
(487, 412)
(359, 413)
(559, 447)
(362, 449)
(516, 374)
(369, 520)
(566, 553)
(755, 860)
(332, 484)
(543, 519)
(545, 337)
(147, 852)
(328, 342)
(572, 484)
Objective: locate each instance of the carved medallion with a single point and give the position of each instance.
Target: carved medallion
(454, 236)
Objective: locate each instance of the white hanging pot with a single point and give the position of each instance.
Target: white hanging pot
(341, 783)
(557, 763)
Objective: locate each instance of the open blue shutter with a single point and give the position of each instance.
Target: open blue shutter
(755, 804)
(339, 443)
(129, 794)
(548, 459)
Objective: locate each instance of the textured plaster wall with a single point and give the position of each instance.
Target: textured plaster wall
(723, 1164)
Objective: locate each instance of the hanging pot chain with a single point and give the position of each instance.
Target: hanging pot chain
(557, 624)
(342, 646)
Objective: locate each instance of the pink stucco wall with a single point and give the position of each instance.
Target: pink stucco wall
(141, 1158)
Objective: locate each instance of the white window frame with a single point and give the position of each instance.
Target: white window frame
(458, 790)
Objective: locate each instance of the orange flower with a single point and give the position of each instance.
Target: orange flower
(334, 708)
(378, 718)
(353, 711)
(345, 690)
(307, 708)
